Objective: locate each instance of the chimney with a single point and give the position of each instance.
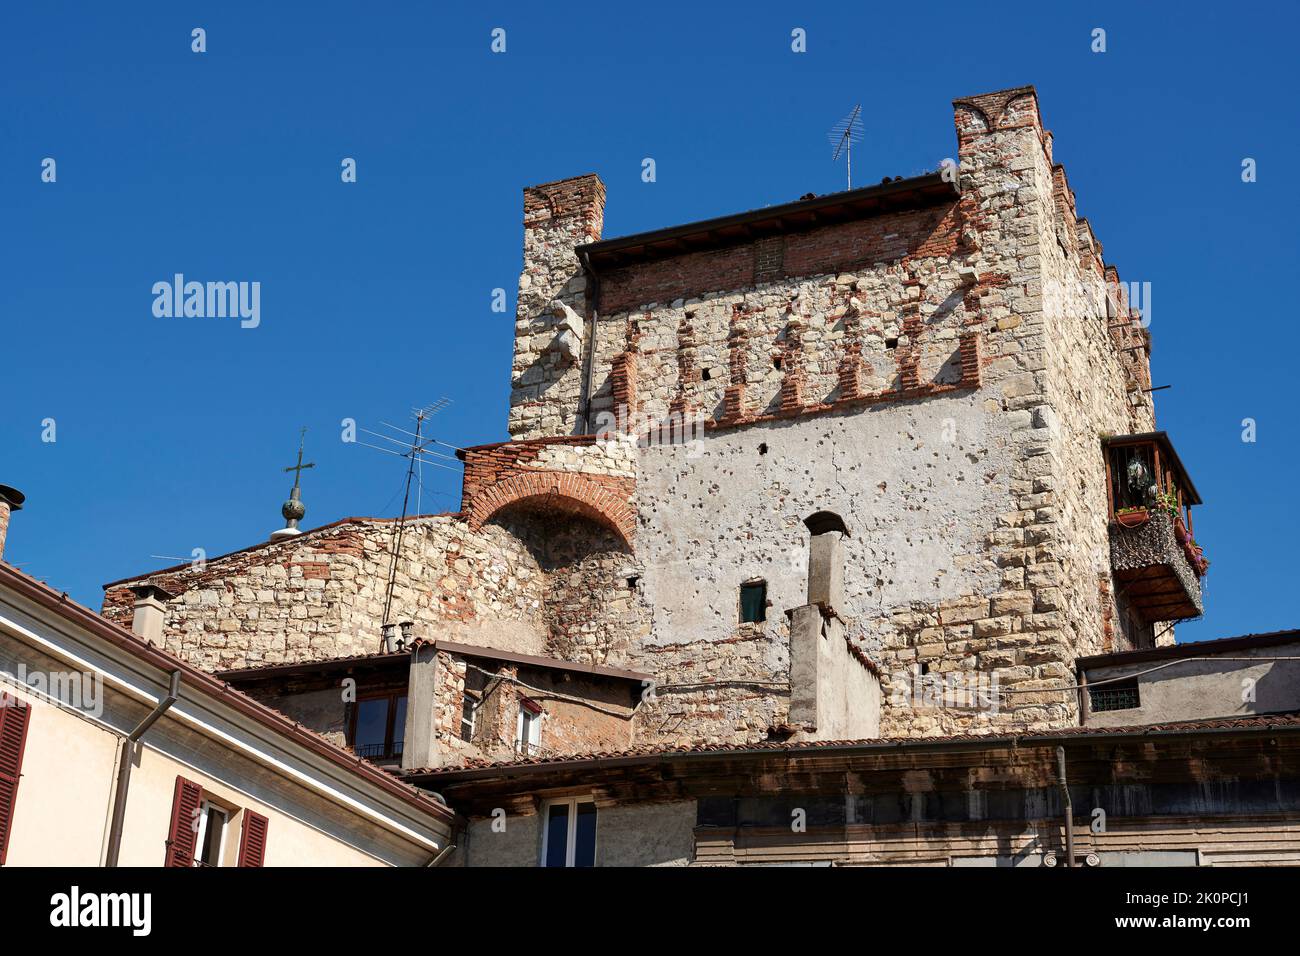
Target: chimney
(553, 307)
(826, 560)
(150, 611)
(11, 499)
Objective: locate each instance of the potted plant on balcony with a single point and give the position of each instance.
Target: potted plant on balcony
(1170, 503)
(1132, 517)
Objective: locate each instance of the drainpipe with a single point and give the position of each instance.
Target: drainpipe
(124, 768)
(589, 376)
(1069, 807)
(437, 860)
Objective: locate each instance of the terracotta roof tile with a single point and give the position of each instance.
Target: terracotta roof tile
(1281, 721)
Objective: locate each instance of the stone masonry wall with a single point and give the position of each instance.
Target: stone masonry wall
(550, 319)
(321, 594)
(531, 581)
(579, 713)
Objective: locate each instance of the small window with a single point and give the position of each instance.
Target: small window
(753, 602)
(891, 343)
(570, 835)
(528, 729)
(212, 832)
(1120, 695)
(776, 362)
(379, 726)
(705, 375)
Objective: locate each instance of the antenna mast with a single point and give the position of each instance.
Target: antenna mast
(416, 449)
(843, 135)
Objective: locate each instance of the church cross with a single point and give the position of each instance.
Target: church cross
(300, 467)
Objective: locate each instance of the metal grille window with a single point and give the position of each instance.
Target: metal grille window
(1122, 695)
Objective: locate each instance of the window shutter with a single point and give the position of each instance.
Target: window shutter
(13, 738)
(252, 844)
(184, 835)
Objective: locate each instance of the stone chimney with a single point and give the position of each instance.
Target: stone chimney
(11, 499)
(552, 309)
(150, 612)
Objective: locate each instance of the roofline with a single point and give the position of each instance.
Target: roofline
(1266, 724)
(1191, 649)
(265, 544)
(211, 687)
(324, 665)
(552, 663)
(860, 203)
(1161, 438)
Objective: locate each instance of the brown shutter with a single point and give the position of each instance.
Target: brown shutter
(13, 738)
(184, 832)
(252, 844)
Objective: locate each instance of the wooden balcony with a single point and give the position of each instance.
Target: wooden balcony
(1156, 563)
(1152, 570)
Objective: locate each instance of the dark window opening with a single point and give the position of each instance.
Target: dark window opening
(762, 448)
(776, 363)
(891, 343)
(633, 581)
(379, 726)
(570, 834)
(1121, 695)
(706, 375)
(753, 602)
(1134, 483)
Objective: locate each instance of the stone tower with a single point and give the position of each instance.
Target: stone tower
(875, 463)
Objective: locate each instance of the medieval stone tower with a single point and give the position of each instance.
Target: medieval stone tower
(935, 360)
(783, 464)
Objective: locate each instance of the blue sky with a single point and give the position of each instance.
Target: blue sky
(171, 433)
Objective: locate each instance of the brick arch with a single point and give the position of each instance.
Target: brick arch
(577, 494)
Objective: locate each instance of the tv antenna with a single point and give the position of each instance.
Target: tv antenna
(843, 135)
(418, 451)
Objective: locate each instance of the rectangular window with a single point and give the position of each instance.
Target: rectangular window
(468, 706)
(379, 726)
(528, 730)
(212, 831)
(1121, 695)
(753, 602)
(570, 835)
